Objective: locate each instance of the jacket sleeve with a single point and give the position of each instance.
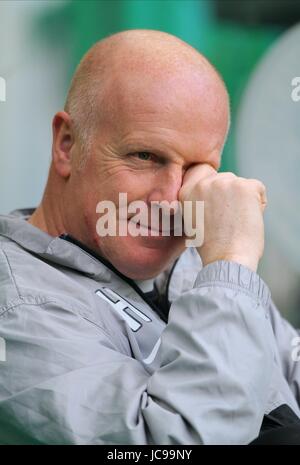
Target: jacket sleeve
(65, 381)
(288, 344)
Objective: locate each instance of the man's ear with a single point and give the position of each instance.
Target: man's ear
(63, 141)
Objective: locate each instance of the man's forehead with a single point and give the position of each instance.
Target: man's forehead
(184, 113)
(187, 94)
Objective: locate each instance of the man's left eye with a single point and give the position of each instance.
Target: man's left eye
(144, 156)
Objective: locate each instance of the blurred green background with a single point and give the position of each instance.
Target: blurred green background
(233, 34)
(42, 41)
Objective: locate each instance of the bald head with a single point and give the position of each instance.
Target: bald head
(145, 107)
(128, 62)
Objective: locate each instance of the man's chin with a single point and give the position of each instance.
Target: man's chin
(141, 269)
(144, 264)
(138, 259)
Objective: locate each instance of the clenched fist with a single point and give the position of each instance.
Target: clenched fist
(233, 214)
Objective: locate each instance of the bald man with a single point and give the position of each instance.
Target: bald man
(135, 338)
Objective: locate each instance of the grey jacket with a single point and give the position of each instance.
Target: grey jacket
(88, 361)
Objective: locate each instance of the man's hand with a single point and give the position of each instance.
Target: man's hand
(233, 214)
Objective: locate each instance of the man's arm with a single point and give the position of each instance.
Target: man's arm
(287, 339)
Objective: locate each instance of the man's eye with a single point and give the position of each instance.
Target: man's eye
(143, 156)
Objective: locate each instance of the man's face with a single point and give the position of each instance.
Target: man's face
(150, 135)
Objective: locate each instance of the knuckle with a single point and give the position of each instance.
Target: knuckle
(220, 182)
(226, 175)
(258, 184)
(241, 186)
(202, 186)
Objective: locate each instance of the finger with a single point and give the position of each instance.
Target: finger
(198, 172)
(261, 189)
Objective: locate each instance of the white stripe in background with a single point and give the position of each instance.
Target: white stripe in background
(2, 350)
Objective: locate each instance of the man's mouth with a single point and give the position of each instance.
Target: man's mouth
(152, 228)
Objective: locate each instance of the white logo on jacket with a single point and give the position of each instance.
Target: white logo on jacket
(296, 351)
(125, 309)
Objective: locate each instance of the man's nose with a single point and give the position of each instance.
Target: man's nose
(167, 185)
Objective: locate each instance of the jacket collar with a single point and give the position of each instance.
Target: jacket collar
(57, 250)
(16, 228)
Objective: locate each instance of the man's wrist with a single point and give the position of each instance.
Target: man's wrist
(248, 262)
(234, 276)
